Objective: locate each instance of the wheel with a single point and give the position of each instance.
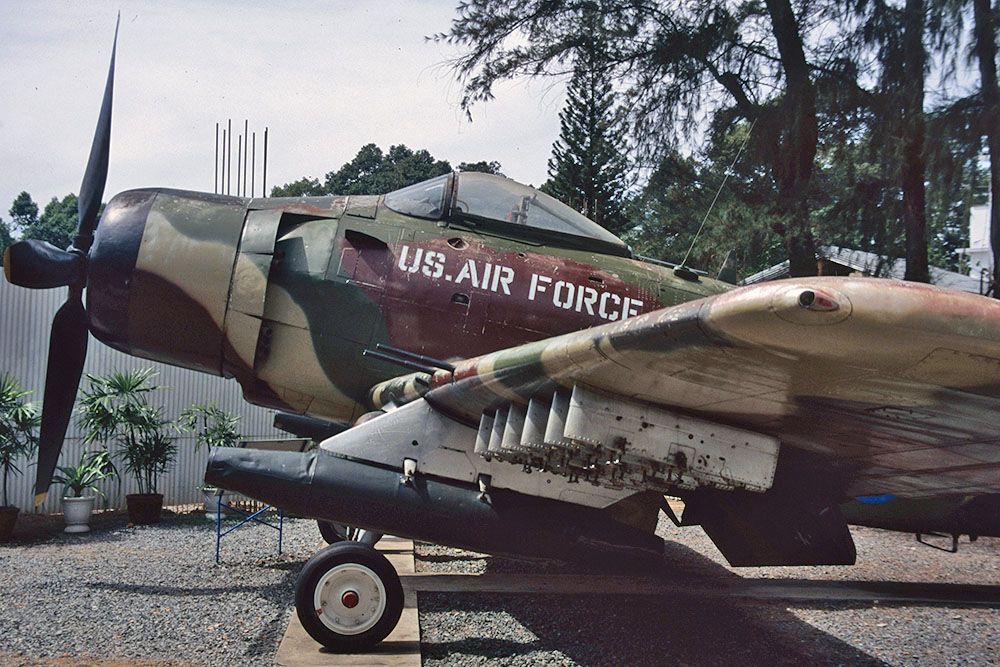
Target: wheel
(338, 532)
(348, 597)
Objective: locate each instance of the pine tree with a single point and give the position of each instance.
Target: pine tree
(588, 169)
(5, 238)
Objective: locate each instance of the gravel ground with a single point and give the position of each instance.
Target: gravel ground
(153, 597)
(149, 595)
(478, 629)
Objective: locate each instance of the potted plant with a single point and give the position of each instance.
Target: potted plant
(92, 468)
(116, 408)
(19, 422)
(214, 428)
(146, 458)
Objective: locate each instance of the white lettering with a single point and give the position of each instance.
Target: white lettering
(412, 268)
(433, 267)
(560, 286)
(586, 296)
(631, 307)
(496, 277)
(468, 272)
(602, 308)
(505, 276)
(538, 284)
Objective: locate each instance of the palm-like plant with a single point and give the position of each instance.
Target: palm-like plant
(19, 422)
(215, 427)
(150, 456)
(116, 407)
(92, 468)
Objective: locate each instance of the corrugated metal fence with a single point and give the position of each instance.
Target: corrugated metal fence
(25, 318)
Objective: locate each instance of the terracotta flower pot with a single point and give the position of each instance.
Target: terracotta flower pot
(76, 512)
(144, 508)
(8, 517)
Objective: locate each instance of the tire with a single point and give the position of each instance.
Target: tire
(324, 586)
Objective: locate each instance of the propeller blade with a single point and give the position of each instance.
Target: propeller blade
(92, 188)
(67, 352)
(41, 265)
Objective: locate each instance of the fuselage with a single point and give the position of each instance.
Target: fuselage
(285, 295)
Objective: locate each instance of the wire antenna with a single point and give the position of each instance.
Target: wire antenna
(718, 192)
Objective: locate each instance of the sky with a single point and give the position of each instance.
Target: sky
(324, 77)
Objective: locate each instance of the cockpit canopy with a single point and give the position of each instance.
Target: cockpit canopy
(476, 196)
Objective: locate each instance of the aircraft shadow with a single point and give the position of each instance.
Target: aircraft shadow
(887, 593)
(617, 629)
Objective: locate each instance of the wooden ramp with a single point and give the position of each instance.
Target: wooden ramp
(400, 649)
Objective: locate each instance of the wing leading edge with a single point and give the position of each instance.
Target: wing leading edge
(888, 386)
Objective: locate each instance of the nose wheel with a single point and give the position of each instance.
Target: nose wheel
(348, 597)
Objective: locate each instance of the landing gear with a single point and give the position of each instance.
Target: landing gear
(338, 532)
(348, 597)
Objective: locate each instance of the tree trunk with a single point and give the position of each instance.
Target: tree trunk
(986, 52)
(793, 163)
(914, 216)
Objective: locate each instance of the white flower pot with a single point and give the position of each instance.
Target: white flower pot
(212, 503)
(77, 513)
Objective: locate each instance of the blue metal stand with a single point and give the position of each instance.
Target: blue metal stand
(247, 518)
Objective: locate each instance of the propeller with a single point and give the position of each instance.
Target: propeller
(40, 265)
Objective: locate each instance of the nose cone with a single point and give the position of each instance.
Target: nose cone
(112, 265)
(160, 271)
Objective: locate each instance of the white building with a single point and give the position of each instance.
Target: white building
(979, 254)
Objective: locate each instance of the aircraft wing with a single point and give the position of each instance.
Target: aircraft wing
(894, 386)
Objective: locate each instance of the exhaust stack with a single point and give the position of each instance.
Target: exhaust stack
(320, 485)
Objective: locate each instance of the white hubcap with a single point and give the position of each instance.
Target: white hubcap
(349, 599)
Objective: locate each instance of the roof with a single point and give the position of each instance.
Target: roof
(871, 264)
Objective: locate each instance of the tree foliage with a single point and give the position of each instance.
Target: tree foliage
(492, 167)
(588, 169)
(23, 211)
(57, 223)
(680, 63)
(833, 92)
(5, 238)
(374, 172)
(304, 187)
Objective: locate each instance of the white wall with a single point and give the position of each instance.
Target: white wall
(979, 227)
(25, 318)
(979, 253)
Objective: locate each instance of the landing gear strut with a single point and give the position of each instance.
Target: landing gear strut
(348, 597)
(338, 532)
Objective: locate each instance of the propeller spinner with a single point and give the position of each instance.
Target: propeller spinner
(40, 265)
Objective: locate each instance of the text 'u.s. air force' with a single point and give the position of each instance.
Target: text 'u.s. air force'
(503, 280)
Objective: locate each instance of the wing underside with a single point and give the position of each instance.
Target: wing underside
(892, 387)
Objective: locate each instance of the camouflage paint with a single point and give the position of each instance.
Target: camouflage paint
(286, 294)
(891, 386)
